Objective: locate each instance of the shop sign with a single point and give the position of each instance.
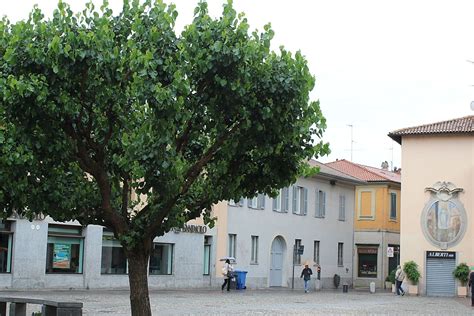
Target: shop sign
(62, 256)
(441, 254)
(372, 251)
(197, 229)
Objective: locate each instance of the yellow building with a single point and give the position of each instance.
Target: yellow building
(376, 221)
(437, 227)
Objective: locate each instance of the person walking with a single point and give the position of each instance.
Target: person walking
(399, 277)
(227, 272)
(471, 285)
(306, 275)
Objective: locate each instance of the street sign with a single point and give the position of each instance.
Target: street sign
(390, 252)
(300, 250)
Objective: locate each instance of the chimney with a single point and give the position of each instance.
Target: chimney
(385, 165)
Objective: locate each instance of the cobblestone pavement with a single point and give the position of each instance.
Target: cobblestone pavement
(257, 302)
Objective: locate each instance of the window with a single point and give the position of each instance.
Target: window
(393, 206)
(297, 256)
(257, 202)
(236, 203)
(300, 200)
(320, 203)
(207, 255)
(161, 259)
(113, 257)
(6, 240)
(65, 249)
(342, 207)
(340, 254)
(282, 201)
(366, 204)
(316, 252)
(232, 245)
(254, 256)
(367, 262)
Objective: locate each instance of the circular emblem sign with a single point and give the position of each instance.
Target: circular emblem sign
(444, 219)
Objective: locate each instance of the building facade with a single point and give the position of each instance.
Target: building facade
(48, 254)
(262, 233)
(315, 213)
(376, 222)
(437, 228)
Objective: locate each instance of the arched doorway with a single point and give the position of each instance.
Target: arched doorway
(276, 262)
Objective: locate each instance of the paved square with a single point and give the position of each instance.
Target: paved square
(258, 302)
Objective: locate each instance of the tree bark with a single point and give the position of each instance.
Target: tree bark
(138, 279)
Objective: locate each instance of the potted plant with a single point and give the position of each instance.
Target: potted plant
(413, 275)
(390, 281)
(462, 274)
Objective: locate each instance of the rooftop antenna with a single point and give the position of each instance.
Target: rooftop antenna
(352, 139)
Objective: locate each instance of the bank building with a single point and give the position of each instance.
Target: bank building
(437, 223)
(315, 216)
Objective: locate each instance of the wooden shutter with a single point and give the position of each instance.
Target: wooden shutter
(285, 199)
(295, 190)
(305, 197)
(324, 204)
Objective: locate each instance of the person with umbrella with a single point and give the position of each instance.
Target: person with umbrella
(227, 272)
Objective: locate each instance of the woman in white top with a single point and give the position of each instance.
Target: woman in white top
(227, 271)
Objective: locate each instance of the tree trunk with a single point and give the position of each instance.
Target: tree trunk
(138, 279)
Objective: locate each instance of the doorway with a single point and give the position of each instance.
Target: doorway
(276, 265)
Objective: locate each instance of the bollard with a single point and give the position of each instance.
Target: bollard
(345, 288)
(372, 287)
(317, 285)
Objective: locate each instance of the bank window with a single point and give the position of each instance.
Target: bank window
(257, 202)
(297, 255)
(6, 241)
(207, 255)
(254, 254)
(300, 200)
(340, 254)
(282, 201)
(65, 249)
(232, 245)
(393, 206)
(236, 203)
(113, 256)
(342, 207)
(161, 259)
(316, 252)
(367, 266)
(320, 203)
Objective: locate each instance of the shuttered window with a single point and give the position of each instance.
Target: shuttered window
(320, 203)
(300, 200)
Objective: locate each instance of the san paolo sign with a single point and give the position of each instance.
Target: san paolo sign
(441, 254)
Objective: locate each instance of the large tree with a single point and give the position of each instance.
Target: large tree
(95, 106)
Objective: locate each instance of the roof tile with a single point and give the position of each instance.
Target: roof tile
(454, 126)
(364, 173)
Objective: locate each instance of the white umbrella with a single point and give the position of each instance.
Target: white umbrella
(231, 259)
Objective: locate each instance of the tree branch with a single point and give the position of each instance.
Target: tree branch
(191, 175)
(125, 195)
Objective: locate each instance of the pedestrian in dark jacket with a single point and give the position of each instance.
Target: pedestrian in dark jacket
(471, 284)
(306, 275)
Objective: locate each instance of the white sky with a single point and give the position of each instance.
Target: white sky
(379, 65)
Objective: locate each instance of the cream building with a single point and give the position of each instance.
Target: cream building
(437, 206)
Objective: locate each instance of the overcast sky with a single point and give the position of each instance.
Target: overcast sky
(379, 65)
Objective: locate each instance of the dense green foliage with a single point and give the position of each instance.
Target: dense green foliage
(95, 106)
(462, 273)
(391, 276)
(411, 271)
